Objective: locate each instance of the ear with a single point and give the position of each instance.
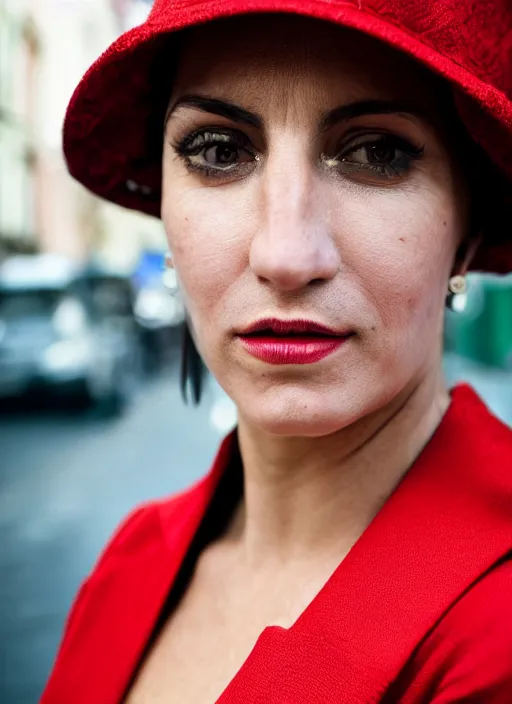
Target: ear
(466, 254)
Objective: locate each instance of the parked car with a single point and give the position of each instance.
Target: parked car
(58, 333)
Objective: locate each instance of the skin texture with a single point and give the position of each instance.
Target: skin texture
(288, 238)
(296, 231)
(301, 228)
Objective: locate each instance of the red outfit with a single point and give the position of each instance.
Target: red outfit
(419, 611)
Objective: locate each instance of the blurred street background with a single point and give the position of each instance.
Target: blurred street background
(91, 417)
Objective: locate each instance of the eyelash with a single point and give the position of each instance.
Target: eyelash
(409, 152)
(201, 140)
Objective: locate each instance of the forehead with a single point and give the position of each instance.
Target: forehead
(280, 57)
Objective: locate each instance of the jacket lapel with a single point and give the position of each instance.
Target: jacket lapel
(118, 608)
(446, 524)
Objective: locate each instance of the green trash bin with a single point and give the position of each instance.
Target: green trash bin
(496, 324)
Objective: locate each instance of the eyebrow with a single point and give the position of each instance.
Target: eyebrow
(217, 107)
(342, 113)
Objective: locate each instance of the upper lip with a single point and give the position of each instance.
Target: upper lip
(297, 326)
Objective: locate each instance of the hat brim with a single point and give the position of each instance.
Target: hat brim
(113, 130)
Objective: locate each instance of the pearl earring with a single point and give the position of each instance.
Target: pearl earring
(457, 285)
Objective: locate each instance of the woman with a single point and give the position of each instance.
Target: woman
(324, 186)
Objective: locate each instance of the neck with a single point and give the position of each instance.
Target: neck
(306, 497)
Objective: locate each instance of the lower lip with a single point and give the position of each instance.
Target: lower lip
(291, 350)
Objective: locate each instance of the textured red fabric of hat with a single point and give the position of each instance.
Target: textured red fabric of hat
(114, 124)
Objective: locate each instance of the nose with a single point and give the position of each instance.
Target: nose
(293, 246)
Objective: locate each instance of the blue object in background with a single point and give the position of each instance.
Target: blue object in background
(148, 271)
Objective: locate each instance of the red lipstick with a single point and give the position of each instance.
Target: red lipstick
(291, 341)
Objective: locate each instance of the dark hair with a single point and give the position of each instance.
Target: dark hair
(193, 369)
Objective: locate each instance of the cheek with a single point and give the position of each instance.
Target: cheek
(402, 258)
(208, 243)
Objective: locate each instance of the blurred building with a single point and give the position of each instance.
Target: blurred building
(131, 12)
(20, 48)
(45, 48)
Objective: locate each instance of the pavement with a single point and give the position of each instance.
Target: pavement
(68, 479)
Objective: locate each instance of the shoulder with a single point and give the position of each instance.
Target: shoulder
(137, 533)
(479, 624)
(147, 525)
(133, 532)
(476, 448)
(127, 587)
(153, 531)
(473, 413)
(135, 567)
(166, 520)
(468, 655)
(150, 528)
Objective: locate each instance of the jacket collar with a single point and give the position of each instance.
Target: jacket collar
(445, 525)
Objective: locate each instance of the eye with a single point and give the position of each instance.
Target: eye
(215, 153)
(221, 155)
(379, 153)
(384, 156)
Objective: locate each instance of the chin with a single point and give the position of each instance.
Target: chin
(298, 414)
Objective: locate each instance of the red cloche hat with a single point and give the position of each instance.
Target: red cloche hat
(113, 127)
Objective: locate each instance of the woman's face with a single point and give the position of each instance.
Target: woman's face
(306, 177)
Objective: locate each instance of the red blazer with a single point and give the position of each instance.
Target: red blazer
(419, 611)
